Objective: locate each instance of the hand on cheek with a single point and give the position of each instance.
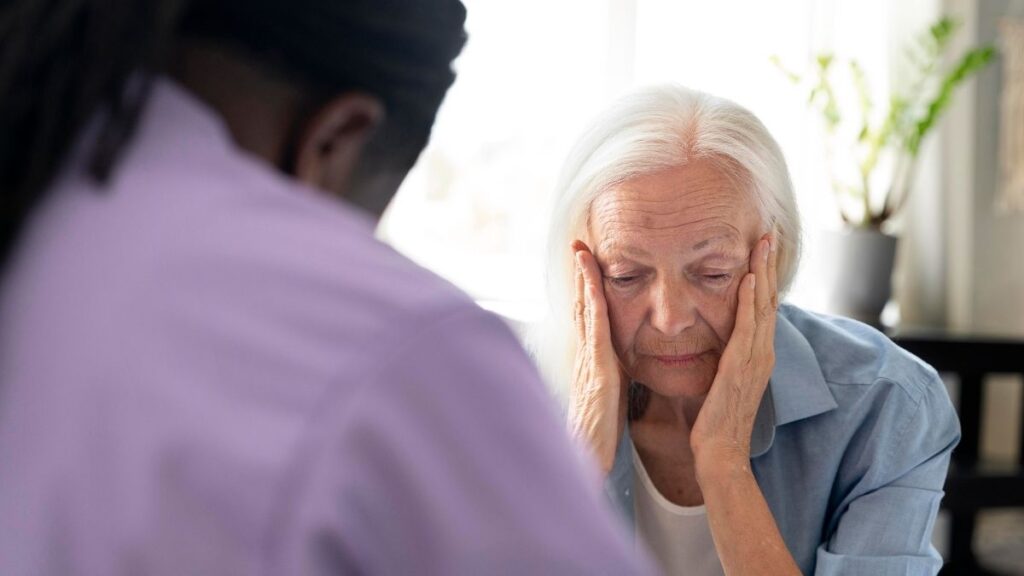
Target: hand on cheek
(597, 404)
(723, 428)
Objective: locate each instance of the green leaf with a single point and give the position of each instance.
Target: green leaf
(903, 121)
(942, 32)
(971, 62)
(793, 76)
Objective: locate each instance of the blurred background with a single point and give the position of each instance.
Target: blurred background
(534, 72)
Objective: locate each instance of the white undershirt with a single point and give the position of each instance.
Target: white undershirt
(679, 537)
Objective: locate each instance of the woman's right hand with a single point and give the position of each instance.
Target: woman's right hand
(598, 397)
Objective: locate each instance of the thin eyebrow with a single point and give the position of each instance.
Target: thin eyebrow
(628, 251)
(729, 257)
(625, 251)
(713, 240)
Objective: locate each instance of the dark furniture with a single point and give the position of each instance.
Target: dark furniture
(972, 484)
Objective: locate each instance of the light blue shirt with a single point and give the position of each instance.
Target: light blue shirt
(850, 448)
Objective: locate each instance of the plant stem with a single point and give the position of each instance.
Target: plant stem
(866, 197)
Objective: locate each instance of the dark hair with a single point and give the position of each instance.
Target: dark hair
(66, 63)
(62, 63)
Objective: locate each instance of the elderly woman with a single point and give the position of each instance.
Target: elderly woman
(736, 434)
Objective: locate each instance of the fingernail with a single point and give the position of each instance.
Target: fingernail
(767, 249)
(753, 281)
(773, 243)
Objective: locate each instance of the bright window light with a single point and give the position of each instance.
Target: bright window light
(534, 72)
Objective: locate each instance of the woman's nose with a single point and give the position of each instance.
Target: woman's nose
(672, 308)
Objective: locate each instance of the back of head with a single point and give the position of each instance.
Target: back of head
(66, 63)
(652, 130)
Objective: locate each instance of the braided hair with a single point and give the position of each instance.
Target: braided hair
(62, 63)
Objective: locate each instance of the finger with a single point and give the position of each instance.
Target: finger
(764, 312)
(588, 306)
(596, 312)
(773, 270)
(759, 266)
(599, 334)
(768, 341)
(767, 297)
(579, 303)
(738, 350)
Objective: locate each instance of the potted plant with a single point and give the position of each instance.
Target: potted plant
(872, 152)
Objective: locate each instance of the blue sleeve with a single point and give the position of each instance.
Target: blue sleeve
(887, 527)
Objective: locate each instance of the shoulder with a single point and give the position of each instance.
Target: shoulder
(194, 246)
(297, 251)
(851, 354)
(893, 411)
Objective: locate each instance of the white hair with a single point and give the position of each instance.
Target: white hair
(649, 131)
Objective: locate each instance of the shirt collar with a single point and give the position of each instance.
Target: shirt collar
(797, 387)
(179, 123)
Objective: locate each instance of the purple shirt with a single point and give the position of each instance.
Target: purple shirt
(207, 368)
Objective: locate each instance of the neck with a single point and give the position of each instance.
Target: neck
(257, 109)
(662, 439)
(677, 412)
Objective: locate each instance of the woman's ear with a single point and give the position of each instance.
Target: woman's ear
(334, 139)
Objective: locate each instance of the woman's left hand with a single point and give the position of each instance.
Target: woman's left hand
(721, 433)
(746, 535)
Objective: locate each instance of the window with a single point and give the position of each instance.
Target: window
(534, 72)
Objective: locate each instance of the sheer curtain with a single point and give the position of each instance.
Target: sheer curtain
(535, 71)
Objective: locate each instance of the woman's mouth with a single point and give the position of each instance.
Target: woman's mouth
(679, 360)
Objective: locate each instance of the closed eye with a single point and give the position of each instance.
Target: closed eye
(622, 281)
(717, 278)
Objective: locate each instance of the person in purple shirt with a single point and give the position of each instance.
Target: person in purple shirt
(208, 365)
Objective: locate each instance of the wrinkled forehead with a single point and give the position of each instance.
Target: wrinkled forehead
(693, 205)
